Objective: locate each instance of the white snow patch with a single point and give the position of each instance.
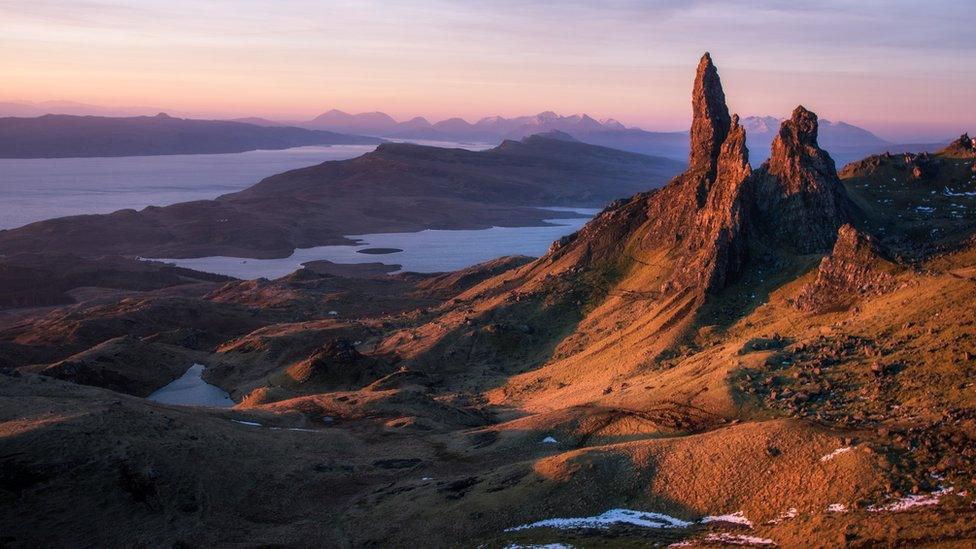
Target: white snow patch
(738, 539)
(549, 440)
(248, 423)
(909, 502)
(836, 453)
(611, 517)
(790, 513)
(947, 192)
(837, 508)
(735, 518)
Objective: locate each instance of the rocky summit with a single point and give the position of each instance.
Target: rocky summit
(774, 356)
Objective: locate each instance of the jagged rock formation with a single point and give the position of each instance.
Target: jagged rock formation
(700, 215)
(710, 122)
(714, 250)
(709, 204)
(855, 267)
(798, 192)
(710, 216)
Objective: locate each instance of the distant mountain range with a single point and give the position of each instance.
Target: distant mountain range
(492, 128)
(844, 141)
(61, 136)
(40, 108)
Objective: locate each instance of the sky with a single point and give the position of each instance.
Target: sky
(903, 69)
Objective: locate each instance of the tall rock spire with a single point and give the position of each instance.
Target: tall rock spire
(710, 117)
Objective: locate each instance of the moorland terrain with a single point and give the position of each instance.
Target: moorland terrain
(781, 355)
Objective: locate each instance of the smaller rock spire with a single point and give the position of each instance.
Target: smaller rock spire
(798, 192)
(733, 160)
(801, 129)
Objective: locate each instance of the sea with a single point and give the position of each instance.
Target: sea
(37, 189)
(41, 188)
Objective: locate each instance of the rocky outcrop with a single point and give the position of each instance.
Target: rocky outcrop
(336, 364)
(720, 209)
(964, 147)
(711, 218)
(855, 267)
(327, 362)
(798, 194)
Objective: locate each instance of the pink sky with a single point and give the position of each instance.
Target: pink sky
(895, 67)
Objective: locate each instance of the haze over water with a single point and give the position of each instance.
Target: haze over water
(42, 188)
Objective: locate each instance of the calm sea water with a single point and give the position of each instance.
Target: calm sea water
(36, 189)
(427, 251)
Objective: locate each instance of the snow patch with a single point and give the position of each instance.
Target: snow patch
(248, 423)
(738, 539)
(790, 513)
(549, 440)
(910, 502)
(836, 453)
(735, 518)
(947, 192)
(837, 508)
(611, 517)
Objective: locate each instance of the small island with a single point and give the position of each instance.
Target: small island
(379, 251)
